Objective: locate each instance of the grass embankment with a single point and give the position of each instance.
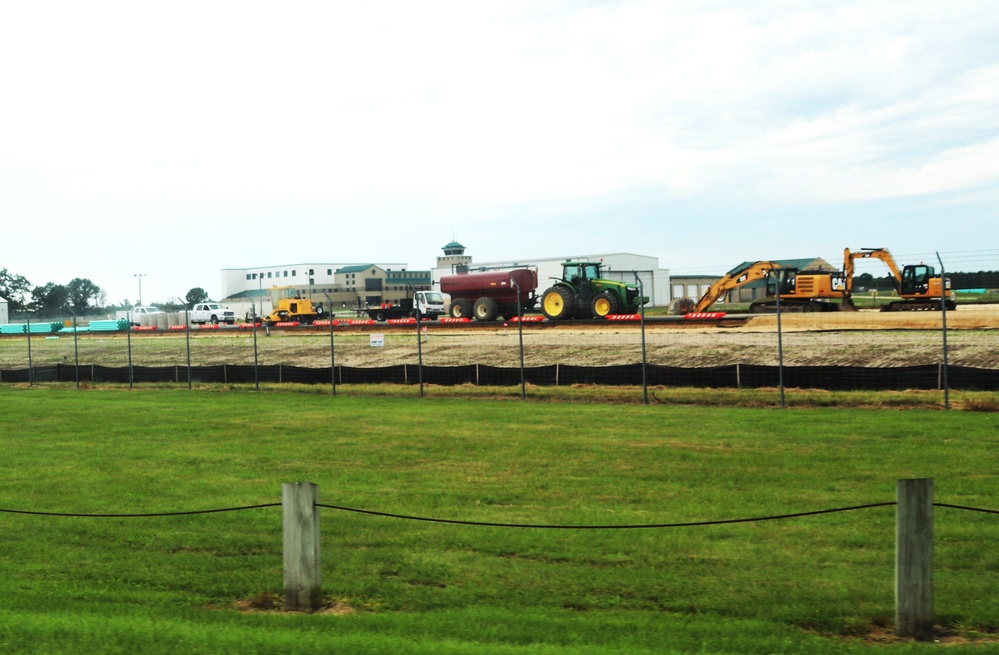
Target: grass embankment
(173, 584)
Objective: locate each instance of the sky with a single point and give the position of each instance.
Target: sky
(173, 140)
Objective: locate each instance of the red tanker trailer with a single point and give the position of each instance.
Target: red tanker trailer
(490, 294)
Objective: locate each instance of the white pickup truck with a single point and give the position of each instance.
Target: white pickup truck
(212, 312)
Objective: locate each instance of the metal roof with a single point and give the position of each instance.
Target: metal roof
(811, 263)
(356, 268)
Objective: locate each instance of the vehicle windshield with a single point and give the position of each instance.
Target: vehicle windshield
(435, 298)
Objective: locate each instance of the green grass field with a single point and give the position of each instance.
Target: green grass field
(188, 584)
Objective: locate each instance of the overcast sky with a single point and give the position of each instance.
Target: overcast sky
(176, 139)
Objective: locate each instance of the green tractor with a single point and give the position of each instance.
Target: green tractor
(582, 293)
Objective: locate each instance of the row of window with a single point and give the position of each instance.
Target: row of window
(415, 279)
(271, 274)
(294, 273)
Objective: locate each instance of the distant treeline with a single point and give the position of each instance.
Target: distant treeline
(979, 280)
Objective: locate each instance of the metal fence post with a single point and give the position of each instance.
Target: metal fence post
(76, 352)
(302, 570)
(419, 345)
(31, 367)
(781, 276)
(914, 559)
(641, 308)
(187, 338)
(332, 349)
(128, 336)
(943, 313)
(520, 336)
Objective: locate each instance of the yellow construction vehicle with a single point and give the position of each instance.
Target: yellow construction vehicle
(801, 291)
(733, 280)
(917, 285)
(806, 291)
(287, 304)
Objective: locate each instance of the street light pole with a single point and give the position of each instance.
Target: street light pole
(140, 276)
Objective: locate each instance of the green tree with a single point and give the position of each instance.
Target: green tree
(196, 295)
(81, 292)
(14, 288)
(51, 300)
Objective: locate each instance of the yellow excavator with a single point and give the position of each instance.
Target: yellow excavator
(917, 285)
(800, 291)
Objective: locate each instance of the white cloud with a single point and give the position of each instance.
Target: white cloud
(251, 112)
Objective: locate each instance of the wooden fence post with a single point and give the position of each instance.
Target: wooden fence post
(302, 570)
(914, 559)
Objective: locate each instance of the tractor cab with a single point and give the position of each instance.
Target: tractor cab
(580, 275)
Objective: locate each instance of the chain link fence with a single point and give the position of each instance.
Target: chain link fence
(862, 350)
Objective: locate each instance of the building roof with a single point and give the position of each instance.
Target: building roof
(706, 276)
(810, 264)
(249, 294)
(355, 268)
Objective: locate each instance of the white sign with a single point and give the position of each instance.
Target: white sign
(377, 340)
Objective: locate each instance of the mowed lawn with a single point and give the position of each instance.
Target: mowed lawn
(207, 583)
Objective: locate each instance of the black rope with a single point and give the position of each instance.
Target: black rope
(970, 509)
(600, 527)
(355, 510)
(132, 516)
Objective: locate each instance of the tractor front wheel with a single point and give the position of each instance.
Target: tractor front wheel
(557, 303)
(604, 304)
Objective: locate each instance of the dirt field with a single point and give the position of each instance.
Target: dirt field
(858, 339)
(866, 338)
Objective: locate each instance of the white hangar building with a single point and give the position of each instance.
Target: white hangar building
(617, 266)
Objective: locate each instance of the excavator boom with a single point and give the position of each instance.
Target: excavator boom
(755, 271)
(870, 253)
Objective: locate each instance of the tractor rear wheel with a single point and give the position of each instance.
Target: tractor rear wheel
(604, 304)
(485, 309)
(557, 303)
(461, 308)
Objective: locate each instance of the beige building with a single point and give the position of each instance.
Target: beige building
(342, 287)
